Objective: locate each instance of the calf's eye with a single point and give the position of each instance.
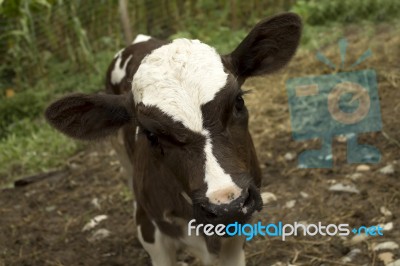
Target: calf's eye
(239, 105)
(152, 138)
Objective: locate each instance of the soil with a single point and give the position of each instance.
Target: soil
(42, 223)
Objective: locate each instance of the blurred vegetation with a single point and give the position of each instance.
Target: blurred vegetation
(316, 12)
(53, 47)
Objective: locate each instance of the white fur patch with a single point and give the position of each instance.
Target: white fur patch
(136, 133)
(141, 38)
(119, 53)
(179, 78)
(118, 73)
(217, 180)
(232, 252)
(198, 247)
(163, 251)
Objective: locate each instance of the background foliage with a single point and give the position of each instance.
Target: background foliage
(52, 47)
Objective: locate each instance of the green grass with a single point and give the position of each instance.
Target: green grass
(324, 21)
(33, 147)
(28, 144)
(223, 38)
(322, 12)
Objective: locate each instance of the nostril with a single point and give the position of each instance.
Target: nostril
(231, 196)
(245, 203)
(224, 196)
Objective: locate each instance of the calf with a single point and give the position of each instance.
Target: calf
(179, 109)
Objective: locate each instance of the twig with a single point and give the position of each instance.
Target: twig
(39, 177)
(390, 139)
(322, 259)
(296, 241)
(296, 256)
(255, 254)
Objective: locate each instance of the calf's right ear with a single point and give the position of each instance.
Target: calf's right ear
(89, 117)
(267, 48)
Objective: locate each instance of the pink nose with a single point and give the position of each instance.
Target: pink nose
(224, 195)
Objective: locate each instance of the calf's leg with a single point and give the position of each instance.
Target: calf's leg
(232, 252)
(160, 247)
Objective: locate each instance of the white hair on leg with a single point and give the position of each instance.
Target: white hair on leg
(232, 253)
(163, 251)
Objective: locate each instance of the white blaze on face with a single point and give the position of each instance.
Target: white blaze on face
(220, 188)
(179, 78)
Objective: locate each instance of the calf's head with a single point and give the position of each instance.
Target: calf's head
(188, 105)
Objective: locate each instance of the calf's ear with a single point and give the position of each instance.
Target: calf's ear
(89, 117)
(268, 47)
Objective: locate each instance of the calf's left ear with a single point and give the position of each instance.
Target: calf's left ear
(90, 117)
(268, 47)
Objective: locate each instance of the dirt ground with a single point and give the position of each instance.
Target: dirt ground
(42, 224)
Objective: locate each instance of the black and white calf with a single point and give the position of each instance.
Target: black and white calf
(183, 126)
